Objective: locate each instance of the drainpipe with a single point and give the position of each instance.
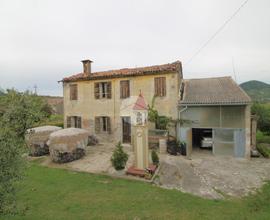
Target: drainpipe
(179, 117)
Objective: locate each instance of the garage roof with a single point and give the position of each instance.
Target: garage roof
(212, 91)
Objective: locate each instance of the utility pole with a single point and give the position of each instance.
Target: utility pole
(35, 89)
(234, 70)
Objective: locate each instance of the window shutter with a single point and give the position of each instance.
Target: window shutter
(68, 122)
(163, 86)
(73, 92)
(109, 90)
(79, 122)
(124, 89)
(97, 125)
(108, 124)
(160, 86)
(96, 91)
(156, 86)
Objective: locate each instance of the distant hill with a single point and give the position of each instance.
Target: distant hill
(257, 90)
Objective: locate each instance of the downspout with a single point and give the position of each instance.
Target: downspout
(179, 117)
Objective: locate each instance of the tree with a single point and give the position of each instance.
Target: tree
(263, 114)
(18, 112)
(21, 111)
(11, 168)
(119, 157)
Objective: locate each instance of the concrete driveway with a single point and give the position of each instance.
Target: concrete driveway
(211, 176)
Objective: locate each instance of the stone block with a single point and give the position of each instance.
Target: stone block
(36, 139)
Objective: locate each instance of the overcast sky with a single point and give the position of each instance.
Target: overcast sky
(43, 41)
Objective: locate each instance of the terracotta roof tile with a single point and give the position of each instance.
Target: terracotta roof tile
(214, 91)
(126, 72)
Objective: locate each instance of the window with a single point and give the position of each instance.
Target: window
(160, 86)
(73, 89)
(102, 125)
(74, 122)
(103, 90)
(124, 89)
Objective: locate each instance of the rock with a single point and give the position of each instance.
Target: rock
(36, 139)
(92, 140)
(68, 144)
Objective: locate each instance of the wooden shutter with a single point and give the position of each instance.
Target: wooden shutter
(68, 122)
(79, 122)
(124, 89)
(96, 91)
(97, 125)
(109, 90)
(163, 86)
(73, 89)
(108, 119)
(160, 86)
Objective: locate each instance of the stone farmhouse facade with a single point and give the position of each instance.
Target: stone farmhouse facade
(102, 102)
(209, 108)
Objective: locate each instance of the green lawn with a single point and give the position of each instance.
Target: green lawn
(48, 193)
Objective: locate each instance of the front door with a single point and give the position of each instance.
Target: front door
(126, 129)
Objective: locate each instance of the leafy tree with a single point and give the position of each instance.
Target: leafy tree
(21, 111)
(119, 157)
(162, 122)
(11, 168)
(18, 112)
(263, 114)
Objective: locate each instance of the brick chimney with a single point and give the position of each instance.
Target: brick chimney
(87, 66)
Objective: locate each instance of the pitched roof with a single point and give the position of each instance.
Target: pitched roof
(140, 103)
(126, 72)
(213, 91)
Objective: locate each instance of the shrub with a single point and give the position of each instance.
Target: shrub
(264, 149)
(119, 157)
(155, 158)
(262, 138)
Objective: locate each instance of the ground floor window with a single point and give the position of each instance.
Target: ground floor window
(102, 124)
(74, 122)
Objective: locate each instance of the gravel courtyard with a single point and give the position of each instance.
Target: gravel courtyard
(211, 176)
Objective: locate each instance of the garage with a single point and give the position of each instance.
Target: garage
(202, 138)
(217, 111)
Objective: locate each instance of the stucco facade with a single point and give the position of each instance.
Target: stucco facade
(87, 107)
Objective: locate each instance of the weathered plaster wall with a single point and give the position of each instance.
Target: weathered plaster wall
(88, 107)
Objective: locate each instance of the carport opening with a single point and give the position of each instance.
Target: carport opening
(202, 138)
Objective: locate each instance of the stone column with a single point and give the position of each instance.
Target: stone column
(140, 140)
(247, 129)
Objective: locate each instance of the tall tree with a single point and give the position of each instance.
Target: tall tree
(18, 112)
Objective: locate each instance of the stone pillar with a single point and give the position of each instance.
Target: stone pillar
(189, 143)
(140, 140)
(247, 128)
(253, 130)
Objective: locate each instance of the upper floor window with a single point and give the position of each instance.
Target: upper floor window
(160, 86)
(103, 90)
(73, 89)
(124, 89)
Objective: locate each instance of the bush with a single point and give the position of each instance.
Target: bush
(119, 157)
(264, 149)
(155, 158)
(262, 138)
(263, 113)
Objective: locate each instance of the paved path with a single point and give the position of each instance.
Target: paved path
(211, 176)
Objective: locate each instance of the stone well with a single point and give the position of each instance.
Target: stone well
(68, 144)
(36, 139)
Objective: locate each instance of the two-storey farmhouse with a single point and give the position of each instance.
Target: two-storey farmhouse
(101, 102)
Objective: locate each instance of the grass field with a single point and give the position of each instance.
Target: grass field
(48, 193)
